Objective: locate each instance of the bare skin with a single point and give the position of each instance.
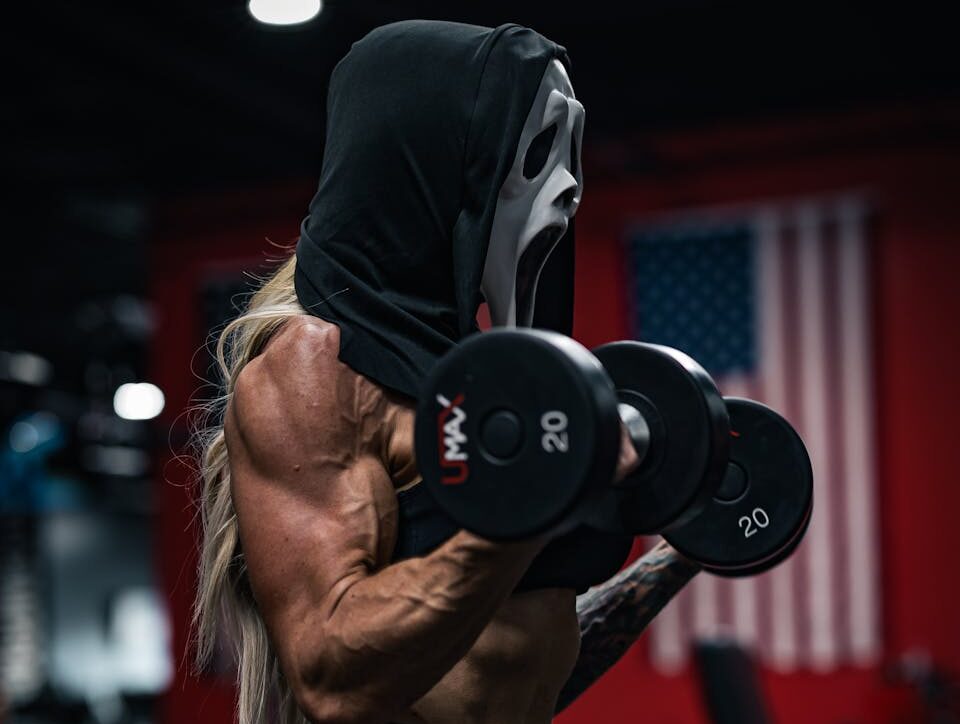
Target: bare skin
(317, 453)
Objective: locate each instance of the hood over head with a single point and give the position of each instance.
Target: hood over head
(423, 124)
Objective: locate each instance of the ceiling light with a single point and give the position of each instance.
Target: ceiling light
(284, 12)
(138, 401)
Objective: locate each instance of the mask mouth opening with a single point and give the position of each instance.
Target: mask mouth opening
(528, 270)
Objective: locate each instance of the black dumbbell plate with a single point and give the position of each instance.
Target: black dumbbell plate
(536, 427)
(689, 438)
(764, 503)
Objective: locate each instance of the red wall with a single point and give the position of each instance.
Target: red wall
(909, 166)
(907, 161)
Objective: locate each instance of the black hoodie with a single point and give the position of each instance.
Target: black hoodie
(423, 122)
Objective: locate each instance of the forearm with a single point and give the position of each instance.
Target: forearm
(614, 614)
(393, 635)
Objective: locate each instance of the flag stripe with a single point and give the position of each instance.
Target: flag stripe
(704, 602)
(858, 472)
(833, 394)
(775, 311)
(667, 639)
(814, 428)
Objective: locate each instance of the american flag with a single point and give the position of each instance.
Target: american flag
(774, 302)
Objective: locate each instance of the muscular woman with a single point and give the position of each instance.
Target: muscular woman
(450, 176)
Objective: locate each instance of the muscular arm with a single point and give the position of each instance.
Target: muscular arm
(393, 634)
(614, 614)
(357, 638)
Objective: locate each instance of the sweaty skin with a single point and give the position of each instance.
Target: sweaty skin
(316, 455)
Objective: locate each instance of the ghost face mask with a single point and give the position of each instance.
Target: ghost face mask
(537, 200)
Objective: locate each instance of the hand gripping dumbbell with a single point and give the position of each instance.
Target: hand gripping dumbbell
(518, 433)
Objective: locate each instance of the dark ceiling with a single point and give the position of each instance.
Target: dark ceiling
(163, 97)
(112, 106)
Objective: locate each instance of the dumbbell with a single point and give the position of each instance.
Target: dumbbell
(752, 512)
(517, 434)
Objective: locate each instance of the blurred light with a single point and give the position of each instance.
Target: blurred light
(33, 431)
(284, 12)
(66, 537)
(133, 315)
(116, 460)
(138, 401)
(139, 629)
(25, 367)
(103, 427)
(23, 437)
(21, 637)
(106, 707)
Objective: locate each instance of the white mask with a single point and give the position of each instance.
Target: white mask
(537, 200)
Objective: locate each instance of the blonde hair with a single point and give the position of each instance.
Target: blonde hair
(224, 605)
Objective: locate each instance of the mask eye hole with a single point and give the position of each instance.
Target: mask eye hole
(538, 152)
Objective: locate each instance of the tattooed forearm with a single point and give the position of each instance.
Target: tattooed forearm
(614, 614)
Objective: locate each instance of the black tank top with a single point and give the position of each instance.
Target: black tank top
(578, 560)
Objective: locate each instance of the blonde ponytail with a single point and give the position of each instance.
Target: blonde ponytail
(224, 604)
